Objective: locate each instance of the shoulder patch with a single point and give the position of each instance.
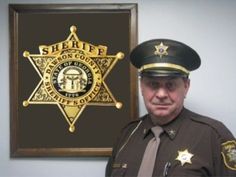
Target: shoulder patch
(228, 151)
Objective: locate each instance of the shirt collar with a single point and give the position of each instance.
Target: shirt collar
(171, 129)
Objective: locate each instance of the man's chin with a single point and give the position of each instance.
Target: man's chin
(162, 114)
(161, 118)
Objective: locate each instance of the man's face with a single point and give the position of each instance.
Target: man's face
(164, 96)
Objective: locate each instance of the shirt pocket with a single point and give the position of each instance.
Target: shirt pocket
(187, 170)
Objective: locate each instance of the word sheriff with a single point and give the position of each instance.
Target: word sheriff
(73, 44)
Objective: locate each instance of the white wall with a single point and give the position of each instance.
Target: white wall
(209, 26)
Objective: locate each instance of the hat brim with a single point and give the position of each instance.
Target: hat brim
(162, 73)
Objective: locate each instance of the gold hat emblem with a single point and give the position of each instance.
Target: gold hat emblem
(161, 49)
(184, 157)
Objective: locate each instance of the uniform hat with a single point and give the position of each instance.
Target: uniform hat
(164, 57)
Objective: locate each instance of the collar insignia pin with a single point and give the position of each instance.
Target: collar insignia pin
(184, 157)
(161, 49)
(171, 133)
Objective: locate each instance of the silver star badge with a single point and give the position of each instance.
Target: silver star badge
(184, 157)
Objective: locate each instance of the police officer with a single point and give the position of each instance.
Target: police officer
(187, 144)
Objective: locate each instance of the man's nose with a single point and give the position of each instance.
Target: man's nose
(161, 92)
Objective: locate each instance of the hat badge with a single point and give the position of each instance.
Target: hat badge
(161, 49)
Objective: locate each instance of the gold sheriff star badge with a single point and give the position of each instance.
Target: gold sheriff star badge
(72, 74)
(184, 157)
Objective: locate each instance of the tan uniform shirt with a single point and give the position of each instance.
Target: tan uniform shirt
(192, 145)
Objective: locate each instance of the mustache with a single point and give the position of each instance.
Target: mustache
(161, 102)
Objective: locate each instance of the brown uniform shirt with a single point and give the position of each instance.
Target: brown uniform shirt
(192, 145)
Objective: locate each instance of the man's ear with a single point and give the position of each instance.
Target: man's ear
(141, 85)
(186, 85)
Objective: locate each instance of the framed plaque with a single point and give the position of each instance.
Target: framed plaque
(71, 83)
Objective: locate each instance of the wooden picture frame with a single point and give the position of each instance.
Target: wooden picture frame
(47, 128)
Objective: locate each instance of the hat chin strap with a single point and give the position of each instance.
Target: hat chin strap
(164, 65)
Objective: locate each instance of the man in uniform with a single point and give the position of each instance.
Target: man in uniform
(170, 140)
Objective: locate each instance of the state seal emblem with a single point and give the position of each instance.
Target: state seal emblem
(72, 76)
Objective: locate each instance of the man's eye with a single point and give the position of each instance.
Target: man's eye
(170, 86)
(154, 85)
